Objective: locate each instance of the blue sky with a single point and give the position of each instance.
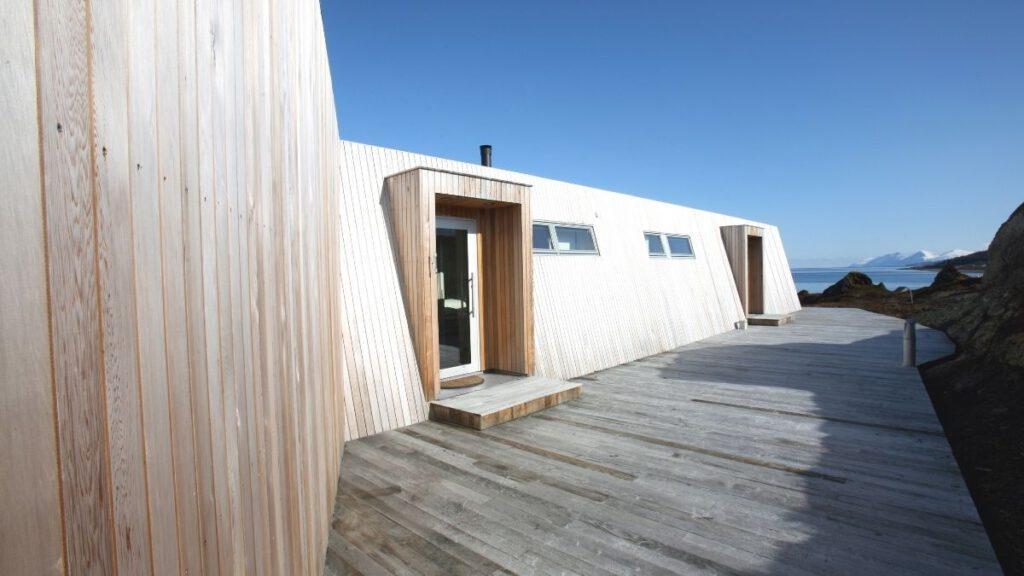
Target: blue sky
(859, 128)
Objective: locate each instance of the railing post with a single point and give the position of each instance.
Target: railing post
(909, 343)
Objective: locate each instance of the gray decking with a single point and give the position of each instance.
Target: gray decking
(802, 449)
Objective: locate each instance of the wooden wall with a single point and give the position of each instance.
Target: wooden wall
(590, 312)
(170, 361)
(736, 240)
(504, 223)
(411, 211)
(507, 301)
(502, 211)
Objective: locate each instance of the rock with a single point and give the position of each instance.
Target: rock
(991, 323)
(806, 298)
(949, 275)
(979, 393)
(846, 284)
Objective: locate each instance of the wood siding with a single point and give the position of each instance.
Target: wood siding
(765, 277)
(411, 210)
(590, 312)
(507, 302)
(501, 210)
(170, 362)
(734, 238)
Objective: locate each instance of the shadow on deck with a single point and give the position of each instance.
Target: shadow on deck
(802, 449)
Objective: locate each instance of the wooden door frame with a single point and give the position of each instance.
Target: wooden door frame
(755, 274)
(737, 246)
(414, 199)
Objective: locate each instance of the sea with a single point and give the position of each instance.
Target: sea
(817, 279)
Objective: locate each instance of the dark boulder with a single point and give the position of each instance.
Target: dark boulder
(847, 284)
(949, 275)
(806, 298)
(992, 323)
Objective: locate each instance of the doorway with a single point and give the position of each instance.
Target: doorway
(457, 276)
(744, 247)
(426, 209)
(755, 275)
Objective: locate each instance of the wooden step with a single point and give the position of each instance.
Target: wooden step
(769, 319)
(492, 406)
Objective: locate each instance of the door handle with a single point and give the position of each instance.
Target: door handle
(472, 296)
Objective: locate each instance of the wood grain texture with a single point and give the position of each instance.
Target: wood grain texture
(736, 246)
(65, 112)
(171, 353)
(482, 409)
(801, 449)
(411, 215)
(31, 538)
(590, 312)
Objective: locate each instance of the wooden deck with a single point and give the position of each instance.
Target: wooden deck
(769, 319)
(489, 407)
(801, 449)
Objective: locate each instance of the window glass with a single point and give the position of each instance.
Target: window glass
(654, 245)
(575, 239)
(679, 246)
(541, 237)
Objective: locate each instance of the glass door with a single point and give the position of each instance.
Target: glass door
(457, 285)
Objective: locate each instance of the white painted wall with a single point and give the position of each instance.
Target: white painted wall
(591, 312)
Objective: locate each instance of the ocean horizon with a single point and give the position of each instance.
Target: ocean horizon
(817, 279)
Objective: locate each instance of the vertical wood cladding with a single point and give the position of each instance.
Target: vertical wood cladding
(171, 352)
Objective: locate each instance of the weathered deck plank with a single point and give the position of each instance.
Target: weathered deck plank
(801, 449)
(482, 409)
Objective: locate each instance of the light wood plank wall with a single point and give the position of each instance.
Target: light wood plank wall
(170, 358)
(590, 312)
(410, 207)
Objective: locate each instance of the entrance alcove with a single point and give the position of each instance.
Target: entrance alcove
(497, 294)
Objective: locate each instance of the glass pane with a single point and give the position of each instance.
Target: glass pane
(541, 237)
(574, 239)
(453, 320)
(679, 246)
(654, 245)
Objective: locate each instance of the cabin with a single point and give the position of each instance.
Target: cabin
(205, 293)
(451, 268)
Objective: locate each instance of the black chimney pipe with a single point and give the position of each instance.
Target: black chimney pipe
(485, 154)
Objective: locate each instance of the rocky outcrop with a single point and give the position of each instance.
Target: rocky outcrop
(949, 275)
(847, 284)
(979, 393)
(991, 323)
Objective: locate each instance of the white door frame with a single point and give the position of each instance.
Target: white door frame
(474, 287)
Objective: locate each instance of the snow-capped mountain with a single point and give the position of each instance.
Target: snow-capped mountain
(900, 259)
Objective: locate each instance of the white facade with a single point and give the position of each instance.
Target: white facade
(591, 311)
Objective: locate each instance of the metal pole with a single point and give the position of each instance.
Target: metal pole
(909, 343)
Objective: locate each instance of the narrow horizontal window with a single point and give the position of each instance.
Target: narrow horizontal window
(654, 245)
(575, 239)
(542, 237)
(564, 238)
(679, 246)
